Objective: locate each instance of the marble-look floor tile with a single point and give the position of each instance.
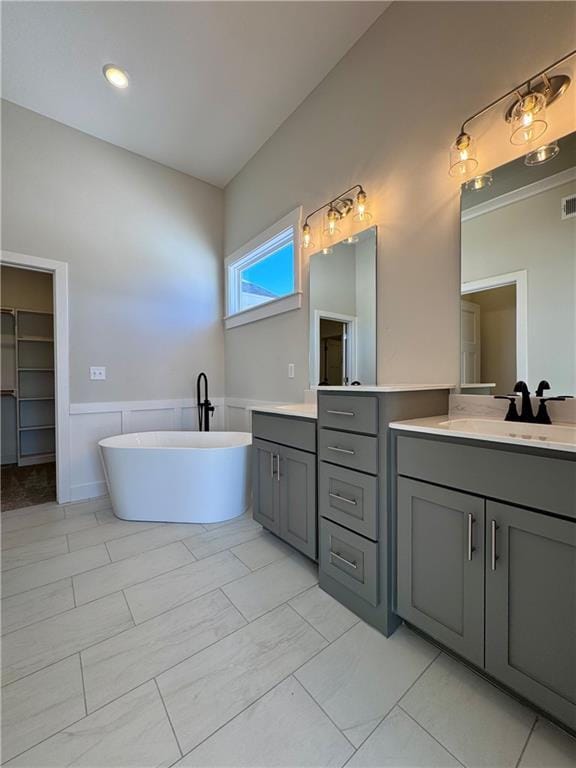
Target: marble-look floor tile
(33, 553)
(262, 551)
(30, 518)
(272, 585)
(100, 534)
(399, 742)
(325, 613)
(28, 535)
(105, 515)
(283, 728)
(40, 705)
(157, 595)
(54, 569)
(480, 725)
(123, 662)
(219, 682)
(549, 747)
(23, 511)
(124, 573)
(224, 537)
(361, 676)
(27, 650)
(132, 732)
(159, 536)
(36, 604)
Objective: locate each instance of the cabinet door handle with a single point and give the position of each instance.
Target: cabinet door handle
(272, 466)
(471, 548)
(343, 498)
(341, 450)
(494, 556)
(277, 467)
(351, 563)
(341, 413)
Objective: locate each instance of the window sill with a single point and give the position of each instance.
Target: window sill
(262, 311)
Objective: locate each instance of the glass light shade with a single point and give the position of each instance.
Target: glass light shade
(479, 182)
(463, 160)
(361, 212)
(542, 154)
(332, 218)
(307, 236)
(528, 118)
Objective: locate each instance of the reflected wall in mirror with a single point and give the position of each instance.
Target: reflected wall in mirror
(519, 277)
(343, 312)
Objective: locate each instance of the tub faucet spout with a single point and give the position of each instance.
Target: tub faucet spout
(205, 407)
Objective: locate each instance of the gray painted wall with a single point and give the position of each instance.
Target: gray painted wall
(385, 117)
(144, 247)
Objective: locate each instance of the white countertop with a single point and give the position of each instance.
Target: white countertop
(302, 410)
(558, 436)
(394, 388)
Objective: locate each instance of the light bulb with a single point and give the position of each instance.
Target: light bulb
(361, 205)
(116, 76)
(332, 219)
(463, 160)
(306, 236)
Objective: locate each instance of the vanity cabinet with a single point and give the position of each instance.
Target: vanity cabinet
(493, 581)
(284, 479)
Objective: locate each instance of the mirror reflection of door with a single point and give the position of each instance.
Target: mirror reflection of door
(333, 352)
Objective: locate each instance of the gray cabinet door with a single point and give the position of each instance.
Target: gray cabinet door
(441, 565)
(531, 606)
(298, 499)
(265, 484)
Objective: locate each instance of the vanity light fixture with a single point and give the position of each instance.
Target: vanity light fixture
(543, 154)
(336, 210)
(526, 115)
(116, 76)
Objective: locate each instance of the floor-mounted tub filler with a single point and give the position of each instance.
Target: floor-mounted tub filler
(178, 477)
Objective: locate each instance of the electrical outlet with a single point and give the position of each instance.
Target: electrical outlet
(97, 373)
(290, 370)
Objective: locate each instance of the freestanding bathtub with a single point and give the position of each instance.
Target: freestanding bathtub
(179, 477)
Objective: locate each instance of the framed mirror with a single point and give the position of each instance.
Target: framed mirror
(343, 312)
(518, 291)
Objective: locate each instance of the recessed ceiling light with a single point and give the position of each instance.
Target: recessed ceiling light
(115, 76)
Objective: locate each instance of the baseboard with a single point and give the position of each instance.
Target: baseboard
(88, 490)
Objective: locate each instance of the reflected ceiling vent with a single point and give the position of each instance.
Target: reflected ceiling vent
(569, 207)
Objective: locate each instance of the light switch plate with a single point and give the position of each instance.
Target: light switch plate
(290, 370)
(97, 373)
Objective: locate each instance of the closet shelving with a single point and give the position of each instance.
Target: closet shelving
(28, 348)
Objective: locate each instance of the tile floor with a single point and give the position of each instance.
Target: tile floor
(143, 645)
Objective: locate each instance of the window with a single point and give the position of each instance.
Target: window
(263, 277)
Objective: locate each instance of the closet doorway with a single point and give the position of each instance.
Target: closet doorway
(34, 377)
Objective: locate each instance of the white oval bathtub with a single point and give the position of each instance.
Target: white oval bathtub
(179, 477)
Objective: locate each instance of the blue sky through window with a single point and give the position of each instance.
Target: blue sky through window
(274, 273)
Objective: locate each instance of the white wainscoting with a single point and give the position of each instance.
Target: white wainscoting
(238, 417)
(91, 422)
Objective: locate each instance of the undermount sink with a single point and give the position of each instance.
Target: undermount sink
(545, 433)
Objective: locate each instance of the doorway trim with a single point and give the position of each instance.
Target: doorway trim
(352, 322)
(59, 271)
(520, 280)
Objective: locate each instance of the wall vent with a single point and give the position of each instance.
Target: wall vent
(569, 207)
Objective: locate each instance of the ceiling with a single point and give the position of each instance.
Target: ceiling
(210, 82)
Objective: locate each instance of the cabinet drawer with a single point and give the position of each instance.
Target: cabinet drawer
(542, 482)
(286, 430)
(349, 450)
(349, 559)
(349, 498)
(348, 412)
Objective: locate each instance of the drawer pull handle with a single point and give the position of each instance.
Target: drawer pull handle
(343, 498)
(341, 450)
(341, 413)
(494, 556)
(351, 563)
